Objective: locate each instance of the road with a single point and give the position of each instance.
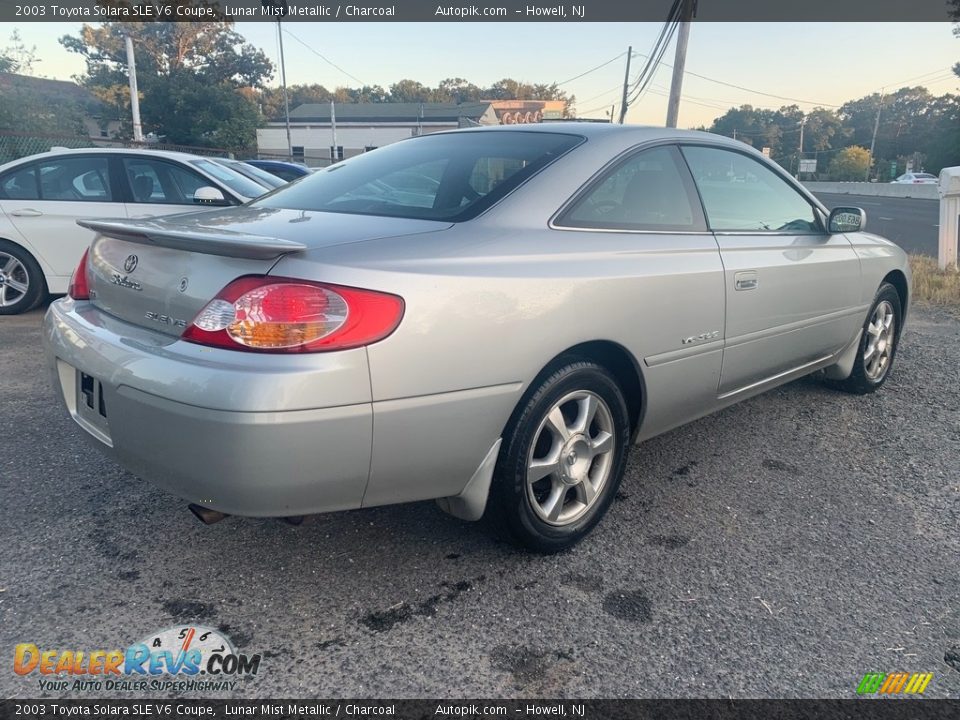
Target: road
(912, 223)
(781, 548)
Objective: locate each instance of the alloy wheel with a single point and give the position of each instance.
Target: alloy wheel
(14, 280)
(571, 458)
(881, 337)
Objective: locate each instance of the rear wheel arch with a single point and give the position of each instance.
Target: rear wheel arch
(612, 356)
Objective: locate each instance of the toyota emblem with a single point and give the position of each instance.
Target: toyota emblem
(130, 264)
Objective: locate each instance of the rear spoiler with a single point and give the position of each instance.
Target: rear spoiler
(209, 242)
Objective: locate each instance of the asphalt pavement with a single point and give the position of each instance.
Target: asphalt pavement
(912, 223)
(781, 548)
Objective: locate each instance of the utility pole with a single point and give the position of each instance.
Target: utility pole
(334, 155)
(873, 140)
(286, 101)
(803, 121)
(134, 94)
(734, 133)
(687, 13)
(626, 83)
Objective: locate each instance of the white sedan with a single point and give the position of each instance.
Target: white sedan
(43, 196)
(916, 179)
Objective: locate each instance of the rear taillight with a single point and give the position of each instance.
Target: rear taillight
(79, 288)
(282, 315)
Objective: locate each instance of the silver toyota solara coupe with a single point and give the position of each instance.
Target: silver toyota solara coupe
(486, 317)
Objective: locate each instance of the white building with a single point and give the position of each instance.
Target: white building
(363, 126)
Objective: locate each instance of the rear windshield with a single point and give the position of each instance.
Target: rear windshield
(926, 176)
(450, 177)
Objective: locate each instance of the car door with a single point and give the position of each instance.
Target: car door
(45, 199)
(792, 289)
(155, 186)
(643, 217)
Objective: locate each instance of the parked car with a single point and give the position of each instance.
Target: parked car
(286, 170)
(570, 290)
(262, 177)
(42, 197)
(916, 179)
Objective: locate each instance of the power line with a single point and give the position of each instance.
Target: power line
(324, 58)
(933, 72)
(602, 65)
(760, 92)
(655, 57)
(605, 92)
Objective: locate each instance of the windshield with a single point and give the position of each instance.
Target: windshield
(231, 178)
(449, 176)
(254, 173)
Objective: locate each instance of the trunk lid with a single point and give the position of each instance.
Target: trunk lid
(159, 273)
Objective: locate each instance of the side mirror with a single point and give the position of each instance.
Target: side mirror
(209, 196)
(847, 220)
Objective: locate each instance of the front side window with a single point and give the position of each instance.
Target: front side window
(645, 192)
(742, 194)
(156, 181)
(75, 178)
(451, 177)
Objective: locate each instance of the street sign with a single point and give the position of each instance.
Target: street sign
(766, 151)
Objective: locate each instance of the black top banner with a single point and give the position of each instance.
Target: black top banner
(459, 11)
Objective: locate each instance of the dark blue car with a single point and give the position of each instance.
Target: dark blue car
(286, 170)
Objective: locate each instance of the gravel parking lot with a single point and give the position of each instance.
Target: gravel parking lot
(781, 548)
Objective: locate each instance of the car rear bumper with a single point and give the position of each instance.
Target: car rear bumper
(241, 433)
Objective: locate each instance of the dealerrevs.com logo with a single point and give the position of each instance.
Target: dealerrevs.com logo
(183, 658)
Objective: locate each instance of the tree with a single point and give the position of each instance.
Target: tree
(193, 78)
(17, 57)
(850, 164)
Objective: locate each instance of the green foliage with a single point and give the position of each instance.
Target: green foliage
(451, 90)
(194, 79)
(850, 163)
(17, 57)
(913, 122)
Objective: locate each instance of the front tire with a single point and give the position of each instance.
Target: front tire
(22, 285)
(563, 458)
(878, 344)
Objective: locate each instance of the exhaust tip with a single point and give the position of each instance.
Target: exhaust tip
(208, 516)
(293, 519)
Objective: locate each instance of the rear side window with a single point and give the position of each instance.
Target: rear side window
(20, 184)
(648, 191)
(84, 179)
(449, 176)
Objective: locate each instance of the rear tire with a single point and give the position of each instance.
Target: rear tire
(878, 344)
(563, 457)
(22, 285)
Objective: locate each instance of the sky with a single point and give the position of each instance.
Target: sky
(822, 64)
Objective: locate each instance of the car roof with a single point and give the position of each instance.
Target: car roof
(631, 134)
(169, 154)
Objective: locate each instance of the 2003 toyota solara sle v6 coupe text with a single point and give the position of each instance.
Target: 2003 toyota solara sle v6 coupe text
(485, 317)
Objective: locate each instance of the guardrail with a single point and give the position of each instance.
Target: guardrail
(893, 190)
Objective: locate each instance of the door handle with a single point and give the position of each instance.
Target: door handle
(746, 280)
(26, 212)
